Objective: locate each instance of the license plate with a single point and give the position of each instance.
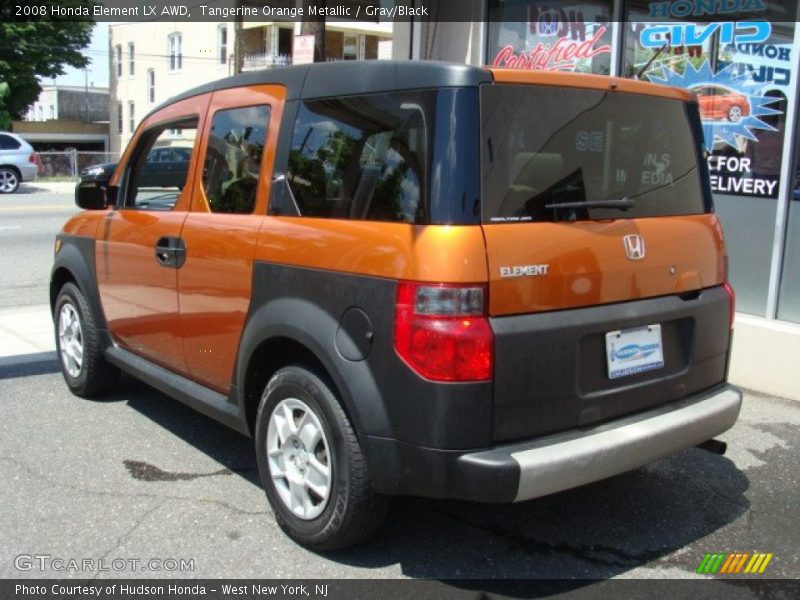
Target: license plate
(632, 351)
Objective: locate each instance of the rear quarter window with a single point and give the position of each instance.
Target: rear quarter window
(405, 156)
(544, 145)
(9, 143)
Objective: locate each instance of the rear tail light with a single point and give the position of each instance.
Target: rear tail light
(731, 303)
(442, 332)
(32, 158)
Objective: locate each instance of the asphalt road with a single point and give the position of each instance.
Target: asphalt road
(138, 476)
(29, 221)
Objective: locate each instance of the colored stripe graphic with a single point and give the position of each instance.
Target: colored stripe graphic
(741, 562)
(728, 563)
(758, 563)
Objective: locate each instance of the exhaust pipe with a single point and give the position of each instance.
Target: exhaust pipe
(714, 446)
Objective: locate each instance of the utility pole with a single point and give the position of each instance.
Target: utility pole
(315, 26)
(86, 92)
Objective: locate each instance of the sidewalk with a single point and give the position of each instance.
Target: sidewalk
(51, 187)
(26, 334)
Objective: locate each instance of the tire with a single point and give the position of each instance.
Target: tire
(79, 347)
(315, 433)
(9, 180)
(735, 113)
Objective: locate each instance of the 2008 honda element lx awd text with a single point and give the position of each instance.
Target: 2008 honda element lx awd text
(412, 278)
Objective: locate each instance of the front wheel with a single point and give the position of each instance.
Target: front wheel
(79, 346)
(311, 465)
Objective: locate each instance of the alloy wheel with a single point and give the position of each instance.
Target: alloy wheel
(8, 181)
(70, 338)
(299, 458)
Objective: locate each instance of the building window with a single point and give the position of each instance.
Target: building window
(131, 56)
(175, 56)
(131, 117)
(118, 57)
(119, 117)
(222, 35)
(41, 114)
(52, 112)
(151, 86)
(350, 51)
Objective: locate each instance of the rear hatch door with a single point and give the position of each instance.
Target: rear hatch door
(605, 258)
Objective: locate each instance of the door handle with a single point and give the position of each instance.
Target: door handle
(170, 252)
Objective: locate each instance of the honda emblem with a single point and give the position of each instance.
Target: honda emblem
(634, 246)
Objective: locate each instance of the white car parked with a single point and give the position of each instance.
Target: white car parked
(17, 162)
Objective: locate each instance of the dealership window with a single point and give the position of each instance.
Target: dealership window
(131, 117)
(175, 55)
(131, 59)
(118, 59)
(119, 117)
(151, 86)
(222, 38)
(550, 35)
(789, 297)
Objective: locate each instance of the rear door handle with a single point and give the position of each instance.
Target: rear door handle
(170, 252)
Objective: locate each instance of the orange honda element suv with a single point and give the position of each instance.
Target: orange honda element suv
(412, 278)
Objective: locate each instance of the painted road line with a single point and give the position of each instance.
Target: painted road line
(40, 207)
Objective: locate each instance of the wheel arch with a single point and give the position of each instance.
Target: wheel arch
(74, 263)
(14, 168)
(288, 331)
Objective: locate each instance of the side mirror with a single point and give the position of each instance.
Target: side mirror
(92, 196)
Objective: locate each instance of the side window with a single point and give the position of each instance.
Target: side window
(154, 178)
(8, 143)
(362, 157)
(233, 158)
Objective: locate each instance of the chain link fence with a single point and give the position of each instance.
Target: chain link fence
(68, 164)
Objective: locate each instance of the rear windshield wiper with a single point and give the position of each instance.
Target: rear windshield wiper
(622, 204)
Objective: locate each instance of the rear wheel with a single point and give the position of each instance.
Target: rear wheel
(9, 180)
(311, 464)
(79, 346)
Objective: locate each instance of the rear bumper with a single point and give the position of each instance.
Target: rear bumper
(521, 471)
(28, 171)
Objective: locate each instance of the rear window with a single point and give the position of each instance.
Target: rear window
(560, 154)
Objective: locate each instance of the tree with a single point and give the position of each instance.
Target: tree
(5, 116)
(29, 50)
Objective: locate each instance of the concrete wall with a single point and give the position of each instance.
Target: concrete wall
(74, 105)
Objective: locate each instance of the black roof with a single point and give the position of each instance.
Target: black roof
(324, 80)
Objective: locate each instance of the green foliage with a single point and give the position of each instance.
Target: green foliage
(5, 116)
(39, 49)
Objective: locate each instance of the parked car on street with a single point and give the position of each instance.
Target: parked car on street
(164, 167)
(18, 162)
(413, 278)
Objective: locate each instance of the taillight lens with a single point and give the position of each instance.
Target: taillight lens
(731, 303)
(32, 158)
(442, 332)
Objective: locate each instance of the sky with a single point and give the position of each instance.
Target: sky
(97, 50)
